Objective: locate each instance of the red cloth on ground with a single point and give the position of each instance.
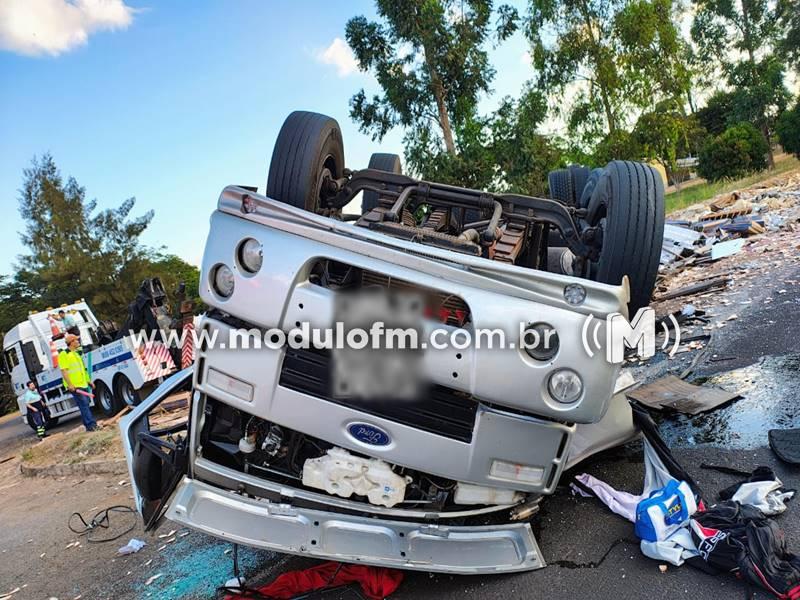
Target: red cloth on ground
(375, 582)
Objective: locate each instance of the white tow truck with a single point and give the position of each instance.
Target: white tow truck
(120, 369)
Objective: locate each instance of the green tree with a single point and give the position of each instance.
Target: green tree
(742, 38)
(666, 134)
(716, 115)
(620, 144)
(430, 59)
(611, 56)
(739, 150)
(75, 251)
(522, 155)
(789, 19)
(788, 129)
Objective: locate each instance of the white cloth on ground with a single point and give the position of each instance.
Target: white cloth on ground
(675, 549)
(766, 496)
(621, 503)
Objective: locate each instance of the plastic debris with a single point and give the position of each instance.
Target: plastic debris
(728, 248)
(153, 578)
(132, 547)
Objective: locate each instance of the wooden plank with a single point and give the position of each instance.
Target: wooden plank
(695, 288)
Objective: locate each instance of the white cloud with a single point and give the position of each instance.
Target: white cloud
(340, 56)
(36, 27)
(526, 59)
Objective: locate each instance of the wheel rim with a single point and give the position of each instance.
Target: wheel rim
(105, 399)
(127, 393)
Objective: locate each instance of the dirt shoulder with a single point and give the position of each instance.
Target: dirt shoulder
(73, 447)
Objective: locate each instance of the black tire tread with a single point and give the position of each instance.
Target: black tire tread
(292, 170)
(560, 184)
(634, 229)
(579, 176)
(382, 161)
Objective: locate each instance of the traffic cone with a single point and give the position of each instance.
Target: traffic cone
(53, 353)
(54, 329)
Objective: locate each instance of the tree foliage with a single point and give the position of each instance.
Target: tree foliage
(716, 115)
(741, 39)
(75, 251)
(666, 134)
(620, 144)
(430, 60)
(789, 19)
(788, 129)
(611, 56)
(739, 150)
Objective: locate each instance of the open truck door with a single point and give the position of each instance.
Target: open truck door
(157, 458)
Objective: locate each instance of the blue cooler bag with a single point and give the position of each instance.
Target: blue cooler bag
(664, 511)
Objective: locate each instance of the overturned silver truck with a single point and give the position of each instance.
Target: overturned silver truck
(275, 456)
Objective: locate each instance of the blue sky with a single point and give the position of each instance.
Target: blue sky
(179, 100)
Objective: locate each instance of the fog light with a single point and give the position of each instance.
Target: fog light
(222, 278)
(516, 472)
(540, 341)
(565, 386)
(251, 255)
(575, 294)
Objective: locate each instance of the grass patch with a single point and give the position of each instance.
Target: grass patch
(70, 448)
(706, 191)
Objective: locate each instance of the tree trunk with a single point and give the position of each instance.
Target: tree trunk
(770, 156)
(444, 121)
(441, 106)
(748, 42)
(612, 123)
(610, 119)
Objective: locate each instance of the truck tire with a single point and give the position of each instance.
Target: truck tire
(591, 183)
(309, 148)
(124, 392)
(579, 177)
(382, 162)
(104, 400)
(560, 184)
(628, 202)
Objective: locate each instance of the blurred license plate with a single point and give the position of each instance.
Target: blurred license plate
(379, 352)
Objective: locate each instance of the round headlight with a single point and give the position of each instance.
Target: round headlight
(251, 255)
(575, 294)
(222, 279)
(540, 341)
(565, 386)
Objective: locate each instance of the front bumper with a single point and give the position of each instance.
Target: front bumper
(341, 537)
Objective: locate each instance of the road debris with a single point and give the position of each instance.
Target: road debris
(711, 284)
(728, 248)
(785, 443)
(672, 393)
(153, 578)
(718, 228)
(132, 547)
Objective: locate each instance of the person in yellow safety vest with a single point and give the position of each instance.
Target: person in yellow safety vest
(76, 379)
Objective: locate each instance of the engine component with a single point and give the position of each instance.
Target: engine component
(273, 440)
(526, 510)
(247, 444)
(468, 493)
(343, 474)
